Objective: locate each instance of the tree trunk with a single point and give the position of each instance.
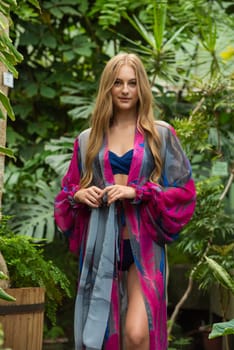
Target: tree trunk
(3, 126)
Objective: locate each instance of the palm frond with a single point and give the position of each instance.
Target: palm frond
(61, 152)
(35, 218)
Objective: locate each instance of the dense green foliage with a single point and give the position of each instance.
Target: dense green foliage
(65, 48)
(209, 233)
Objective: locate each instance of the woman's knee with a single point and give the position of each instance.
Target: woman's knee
(135, 338)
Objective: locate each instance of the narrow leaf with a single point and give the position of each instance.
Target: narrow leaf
(160, 11)
(6, 296)
(141, 30)
(221, 274)
(9, 66)
(35, 3)
(6, 104)
(8, 152)
(175, 35)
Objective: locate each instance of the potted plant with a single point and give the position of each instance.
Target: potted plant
(35, 282)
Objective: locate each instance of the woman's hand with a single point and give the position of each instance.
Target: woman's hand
(118, 192)
(91, 196)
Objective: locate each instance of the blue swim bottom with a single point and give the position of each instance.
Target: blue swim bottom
(126, 255)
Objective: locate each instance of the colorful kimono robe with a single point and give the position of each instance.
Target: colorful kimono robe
(154, 218)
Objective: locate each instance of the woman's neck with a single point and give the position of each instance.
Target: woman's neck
(124, 119)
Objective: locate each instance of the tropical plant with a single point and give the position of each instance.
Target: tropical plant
(9, 58)
(28, 267)
(208, 243)
(226, 281)
(159, 52)
(35, 212)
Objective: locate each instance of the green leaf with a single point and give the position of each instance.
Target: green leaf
(56, 12)
(36, 219)
(6, 6)
(6, 296)
(12, 2)
(47, 91)
(222, 328)
(35, 3)
(49, 40)
(69, 10)
(68, 55)
(3, 276)
(160, 11)
(4, 22)
(84, 51)
(59, 162)
(147, 36)
(11, 48)
(31, 89)
(8, 152)
(9, 66)
(221, 274)
(6, 104)
(174, 36)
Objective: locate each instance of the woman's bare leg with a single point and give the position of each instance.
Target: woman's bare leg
(136, 331)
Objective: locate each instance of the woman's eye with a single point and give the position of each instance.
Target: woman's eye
(132, 83)
(117, 83)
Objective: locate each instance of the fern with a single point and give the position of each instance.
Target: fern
(28, 267)
(110, 11)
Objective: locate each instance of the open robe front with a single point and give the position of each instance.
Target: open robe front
(154, 218)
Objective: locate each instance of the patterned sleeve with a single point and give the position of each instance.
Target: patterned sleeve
(169, 205)
(65, 208)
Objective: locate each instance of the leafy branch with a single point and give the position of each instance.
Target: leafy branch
(200, 225)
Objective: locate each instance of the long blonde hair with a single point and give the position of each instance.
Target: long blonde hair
(103, 113)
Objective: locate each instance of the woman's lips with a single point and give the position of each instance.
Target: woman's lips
(124, 99)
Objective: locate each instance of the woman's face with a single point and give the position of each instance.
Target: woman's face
(124, 91)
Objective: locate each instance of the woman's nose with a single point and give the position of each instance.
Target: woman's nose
(125, 88)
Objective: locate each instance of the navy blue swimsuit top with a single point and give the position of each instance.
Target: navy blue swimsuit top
(121, 164)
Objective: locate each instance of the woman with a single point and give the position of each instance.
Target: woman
(128, 191)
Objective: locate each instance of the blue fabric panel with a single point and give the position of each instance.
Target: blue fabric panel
(121, 164)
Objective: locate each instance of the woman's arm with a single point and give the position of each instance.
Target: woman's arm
(66, 207)
(168, 206)
(72, 204)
